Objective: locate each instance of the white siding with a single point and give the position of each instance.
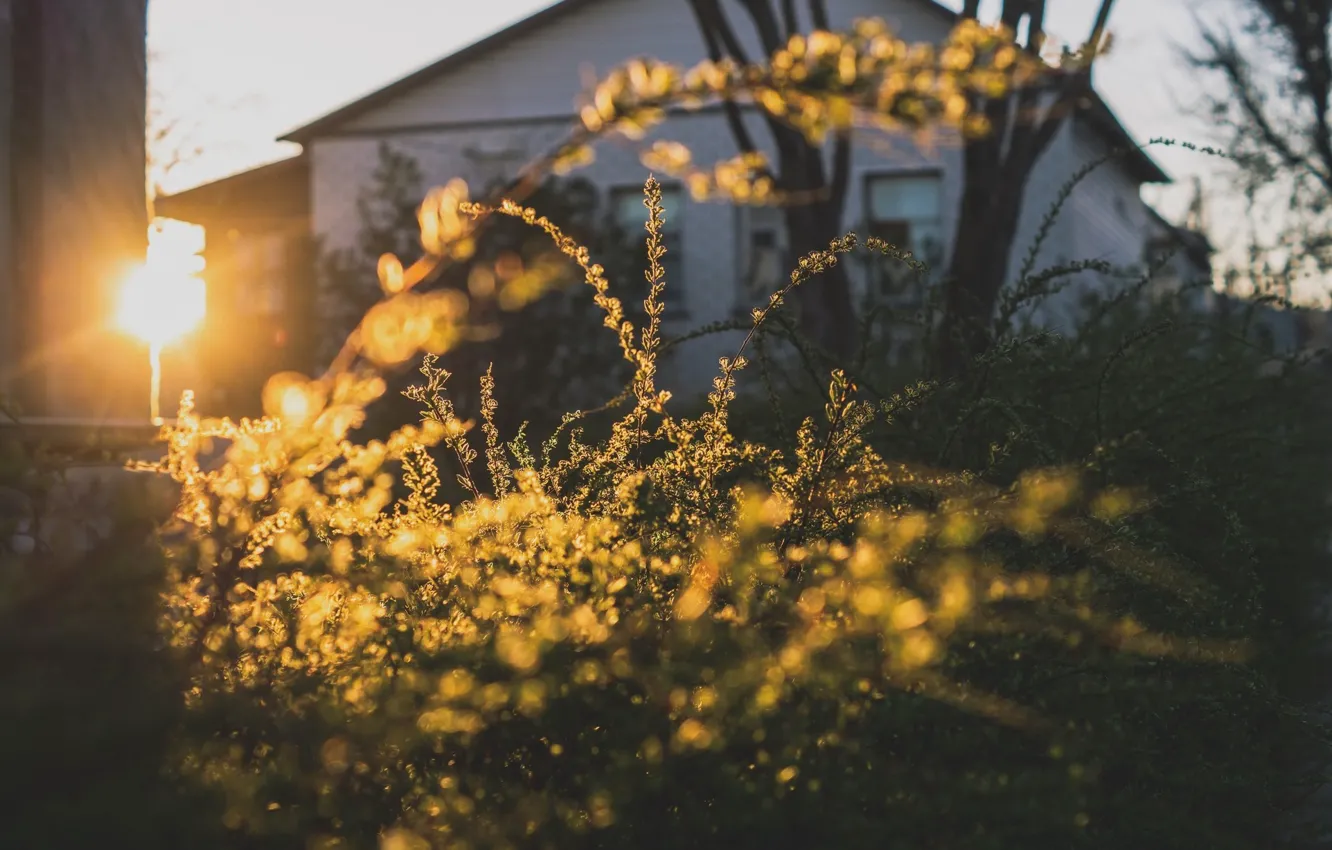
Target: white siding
(1112, 220)
(541, 73)
(1104, 218)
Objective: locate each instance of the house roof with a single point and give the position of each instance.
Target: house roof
(273, 191)
(345, 113)
(1095, 110)
(1102, 118)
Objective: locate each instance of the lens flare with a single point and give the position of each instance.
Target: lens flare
(161, 301)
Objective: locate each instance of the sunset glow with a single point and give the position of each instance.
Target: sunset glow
(159, 308)
(163, 299)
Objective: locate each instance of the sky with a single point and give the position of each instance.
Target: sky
(232, 75)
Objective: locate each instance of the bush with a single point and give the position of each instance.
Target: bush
(1226, 445)
(679, 635)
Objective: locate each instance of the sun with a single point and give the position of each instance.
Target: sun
(163, 299)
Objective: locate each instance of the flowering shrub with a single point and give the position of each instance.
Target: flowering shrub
(670, 635)
(678, 634)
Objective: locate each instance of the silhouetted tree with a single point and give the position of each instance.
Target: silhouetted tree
(996, 167)
(1272, 111)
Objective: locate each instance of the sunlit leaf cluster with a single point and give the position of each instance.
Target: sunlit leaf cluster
(822, 83)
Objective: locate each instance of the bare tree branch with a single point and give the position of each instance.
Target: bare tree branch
(1036, 28)
(827, 309)
(718, 22)
(1076, 86)
(1010, 15)
(1097, 36)
(1306, 26)
(1271, 108)
(1098, 27)
(765, 21)
(793, 152)
(1227, 60)
(1225, 57)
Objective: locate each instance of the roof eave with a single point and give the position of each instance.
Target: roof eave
(203, 199)
(1139, 162)
(303, 134)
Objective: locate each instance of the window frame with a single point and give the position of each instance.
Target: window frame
(260, 266)
(879, 278)
(749, 228)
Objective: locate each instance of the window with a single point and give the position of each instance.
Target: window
(631, 216)
(906, 211)
(259, 273)
(764, 266)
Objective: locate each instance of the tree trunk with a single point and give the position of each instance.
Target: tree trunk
(995, 172)
(827, 314)
(982, 252)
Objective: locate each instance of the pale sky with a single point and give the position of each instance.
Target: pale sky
(239, 73)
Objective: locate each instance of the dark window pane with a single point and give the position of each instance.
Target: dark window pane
(888, 271)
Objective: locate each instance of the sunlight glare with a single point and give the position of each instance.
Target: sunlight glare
(163, 299)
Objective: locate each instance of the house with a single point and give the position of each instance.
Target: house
(486, 110)
(73, 207)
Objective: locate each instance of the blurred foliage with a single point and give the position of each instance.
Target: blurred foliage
(1224, 441)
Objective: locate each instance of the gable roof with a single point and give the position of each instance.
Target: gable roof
(1098, 113)
(357, 107)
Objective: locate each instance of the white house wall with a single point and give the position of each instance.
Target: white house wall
(1104, 217)
(1112, 219)
(343, 166)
